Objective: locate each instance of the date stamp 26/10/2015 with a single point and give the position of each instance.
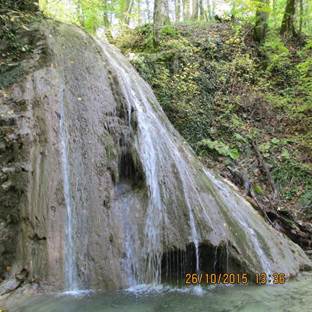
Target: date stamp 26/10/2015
(234, 278)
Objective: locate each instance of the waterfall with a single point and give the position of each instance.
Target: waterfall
(139, 195)
(151, 152)
(242, 219)
(154, 141)
(70, 271)
(118, 196)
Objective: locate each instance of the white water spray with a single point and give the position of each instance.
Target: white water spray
(150, 151)
(70, 271)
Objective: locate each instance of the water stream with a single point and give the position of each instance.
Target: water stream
(242, 219)
(70, 271)
(173, 219)
(150, 127)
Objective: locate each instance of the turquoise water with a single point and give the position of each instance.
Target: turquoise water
(295, 295)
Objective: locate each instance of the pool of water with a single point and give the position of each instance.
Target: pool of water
(295, 295)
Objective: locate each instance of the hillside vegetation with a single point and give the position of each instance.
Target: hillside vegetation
(245, 109)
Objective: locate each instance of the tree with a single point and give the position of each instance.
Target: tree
(178, 10)
(80, 14)
(201, 10)
(288, 23)
(161, 17)
(195, 9)
(261, 23)
(130, 11)
(139, 12)
(148, 11)
(209, 10)
(106, 22)
(301, 16)
(186, 9)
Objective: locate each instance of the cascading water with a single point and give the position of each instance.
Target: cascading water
(243, 221)
(140, 208)
(134, 206)
(149, 150)
(70, 272)
(162, 154)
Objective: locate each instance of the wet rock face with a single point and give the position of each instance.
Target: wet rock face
(14, 164)
(140, 201)
(32, 212)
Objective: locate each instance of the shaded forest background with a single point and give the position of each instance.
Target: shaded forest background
(234, 77)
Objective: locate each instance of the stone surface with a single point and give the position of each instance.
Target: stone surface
(9, 286)
(110, 178)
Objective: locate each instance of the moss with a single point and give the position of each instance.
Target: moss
(18, 40)
(10, 75)
(218, 147)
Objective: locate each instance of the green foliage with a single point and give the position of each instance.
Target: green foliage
(138, 40)
(169, 30)
(305, 77)
(213, 85)
(294, 179)
(285, 154)
(277, 54)
(258, 189)
(238, 137)
(96, 13)
(205, 146)
(245, 9)
(264, 149)
(91, 16)
(60, 10)
(306, 201)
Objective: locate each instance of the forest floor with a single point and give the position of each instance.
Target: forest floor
(246, 110)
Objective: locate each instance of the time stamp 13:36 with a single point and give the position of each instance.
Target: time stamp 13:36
(234, 278)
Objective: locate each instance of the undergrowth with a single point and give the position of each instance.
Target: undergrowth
(222, 92)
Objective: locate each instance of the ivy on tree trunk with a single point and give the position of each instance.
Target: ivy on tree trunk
(288, 23)
(261, 24)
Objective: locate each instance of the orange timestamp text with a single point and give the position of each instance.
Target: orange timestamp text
(234, 278)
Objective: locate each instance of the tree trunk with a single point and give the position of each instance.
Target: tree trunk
(166, 12)
(148, 11)
(138, 12)
(261, 24)
(129, 11)
(209, 10)
(301, 16)
(178, 10)
(186, 9)
(274, 12)
(288, 23)
(201, 10)
(123, 10)
(161, 17)
(213, 7)
(79, 12)
(195, 10)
